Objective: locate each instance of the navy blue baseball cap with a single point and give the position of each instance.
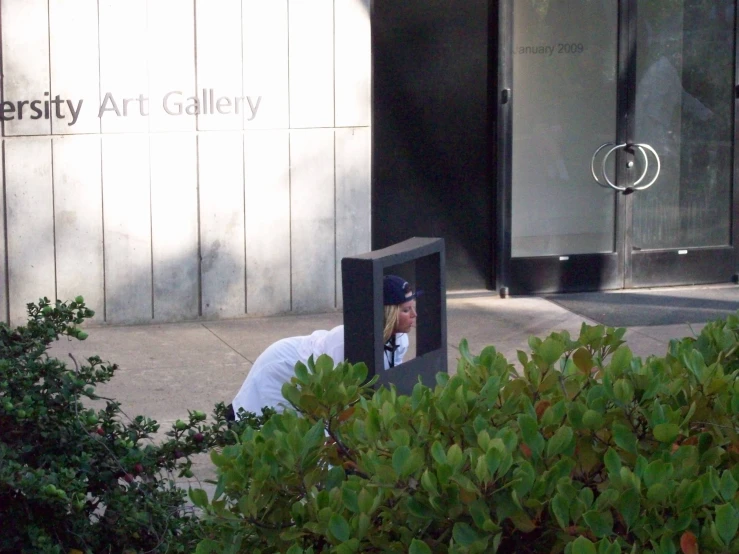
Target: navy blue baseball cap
(396, 290)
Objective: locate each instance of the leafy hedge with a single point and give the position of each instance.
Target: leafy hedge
(581, 449)
(74, 479)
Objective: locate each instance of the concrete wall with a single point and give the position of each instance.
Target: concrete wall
(116, 186)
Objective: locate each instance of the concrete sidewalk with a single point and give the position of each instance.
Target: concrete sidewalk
(167, 369)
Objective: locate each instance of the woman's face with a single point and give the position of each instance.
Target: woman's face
(406, 317)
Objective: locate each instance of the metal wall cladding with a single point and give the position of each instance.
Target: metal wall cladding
(183, 159)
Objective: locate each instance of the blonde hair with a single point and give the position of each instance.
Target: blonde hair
(392, 313)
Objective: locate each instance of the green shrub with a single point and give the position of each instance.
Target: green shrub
(73, 478)
(582, 449)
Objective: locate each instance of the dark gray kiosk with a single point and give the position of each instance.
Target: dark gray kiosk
(361, 279)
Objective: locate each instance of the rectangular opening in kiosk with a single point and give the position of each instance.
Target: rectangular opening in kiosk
(361, 279)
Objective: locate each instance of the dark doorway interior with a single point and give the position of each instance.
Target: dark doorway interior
(431, 141)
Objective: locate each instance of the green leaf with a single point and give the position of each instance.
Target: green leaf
(666, 432)
(613, 463)
(493, 458)
(336, 476)
(592, 419)
(312, 439)
(583, 360)
(583, 546)
(692, 496)
(561, 510)
(464, 535)
(695, 362)
(586, 496)
(624, 437)
(523, 522)
(419, 547)
(566, 489)
(428, 481)
(600, 523)
(301, 372)
(529, 428)
(480, 513)
(350, 499)
(339, 527)
(680, 523)
(606, 547)
(438, 453)
(607, 498)
(655, 472)
(247, 506)
(728, 486)
(400, 457)
(481, 470)
(623, 391)
(366, 501)
(628, 505)
(419, 509)
(559, 441)
(455, 456)
(667, 545)
(208, 546)
(550, 350)
(658, 493)
(444, 473)
(363, 525)
(620, 361)
(464, 350)
(534, 342)
(198, 497)
(575, 414)
(727, 522)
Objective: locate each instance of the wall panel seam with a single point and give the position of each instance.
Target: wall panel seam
(6, 308)
(290, 208)
(243, 193)
(102, 180)
(200, 243)
(333, 69)
(151, 234)
(243, 165)
(100, 82)
(151, 206)
(53, 217)
(102, 220)
(51, 95)
(289, 115)
(51, 153)
(337, 261)
(197, 157)
(2, 87)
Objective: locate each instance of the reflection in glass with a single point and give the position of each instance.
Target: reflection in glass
(684, 67)
(564, 108)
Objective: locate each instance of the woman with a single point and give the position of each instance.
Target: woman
(276, 365)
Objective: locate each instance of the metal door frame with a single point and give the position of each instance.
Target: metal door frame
(610, 271)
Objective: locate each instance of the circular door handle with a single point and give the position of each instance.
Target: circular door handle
(592, 163)
(642, 146)
(613, 147)
(603, 166)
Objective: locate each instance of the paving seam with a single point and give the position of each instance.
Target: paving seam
(224, 342)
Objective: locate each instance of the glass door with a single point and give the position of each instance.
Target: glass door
(683, 106)
(620, 157)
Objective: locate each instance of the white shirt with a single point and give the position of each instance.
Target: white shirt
(276, 366)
